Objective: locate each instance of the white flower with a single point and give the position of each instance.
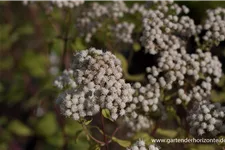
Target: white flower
(76, 116)
(210, 127)
(206, 123)
(207, 116)
(140, 145)
(123, 31)
(201, 131)
(94, 71)
(160, 32)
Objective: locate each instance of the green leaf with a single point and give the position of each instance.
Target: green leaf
(78, 133)
(218, 96)
(88, 122)
(136, 47)
(123, 61)
(3, 146)
(56, 140)
(25, 30)
(56, 46)
(78, 45)
(72, 127)
(19, 128)
(137, 77)
(122, 143)
(34, 63)
(95, 147)
(96, 127)
(167, 133)
(16, 91)
(47, 125)
(222, 80)
(172, 113)
(202, 147)
(106, 114)
(81, 144)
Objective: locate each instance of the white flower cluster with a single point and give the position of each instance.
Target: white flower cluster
(145, 98)
(123, 31)
(138, 8)
(137, 122)
(145, 101)
(192, 74)
(60, 3)
(92, 19)
(66, 80)
(140, 145)
(214, 27)
(97, 14)
(178, 75)
(207, 118)
(98, 76)
(163, 30)
(117, 9)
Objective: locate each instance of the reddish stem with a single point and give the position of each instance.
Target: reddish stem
(155, 129)
(103, 129)
(115, 131)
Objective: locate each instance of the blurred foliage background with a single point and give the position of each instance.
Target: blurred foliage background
(31, 51)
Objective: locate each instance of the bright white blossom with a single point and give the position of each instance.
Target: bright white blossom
(213, 28)
(98, 84)
(164, 31)
(193, 75)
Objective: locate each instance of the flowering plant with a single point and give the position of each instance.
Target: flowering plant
(126, 73)
(181, 78)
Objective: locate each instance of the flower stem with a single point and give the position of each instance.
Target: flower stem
(93, 138)
(103, 129)
(65, 38)
(155, 129)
